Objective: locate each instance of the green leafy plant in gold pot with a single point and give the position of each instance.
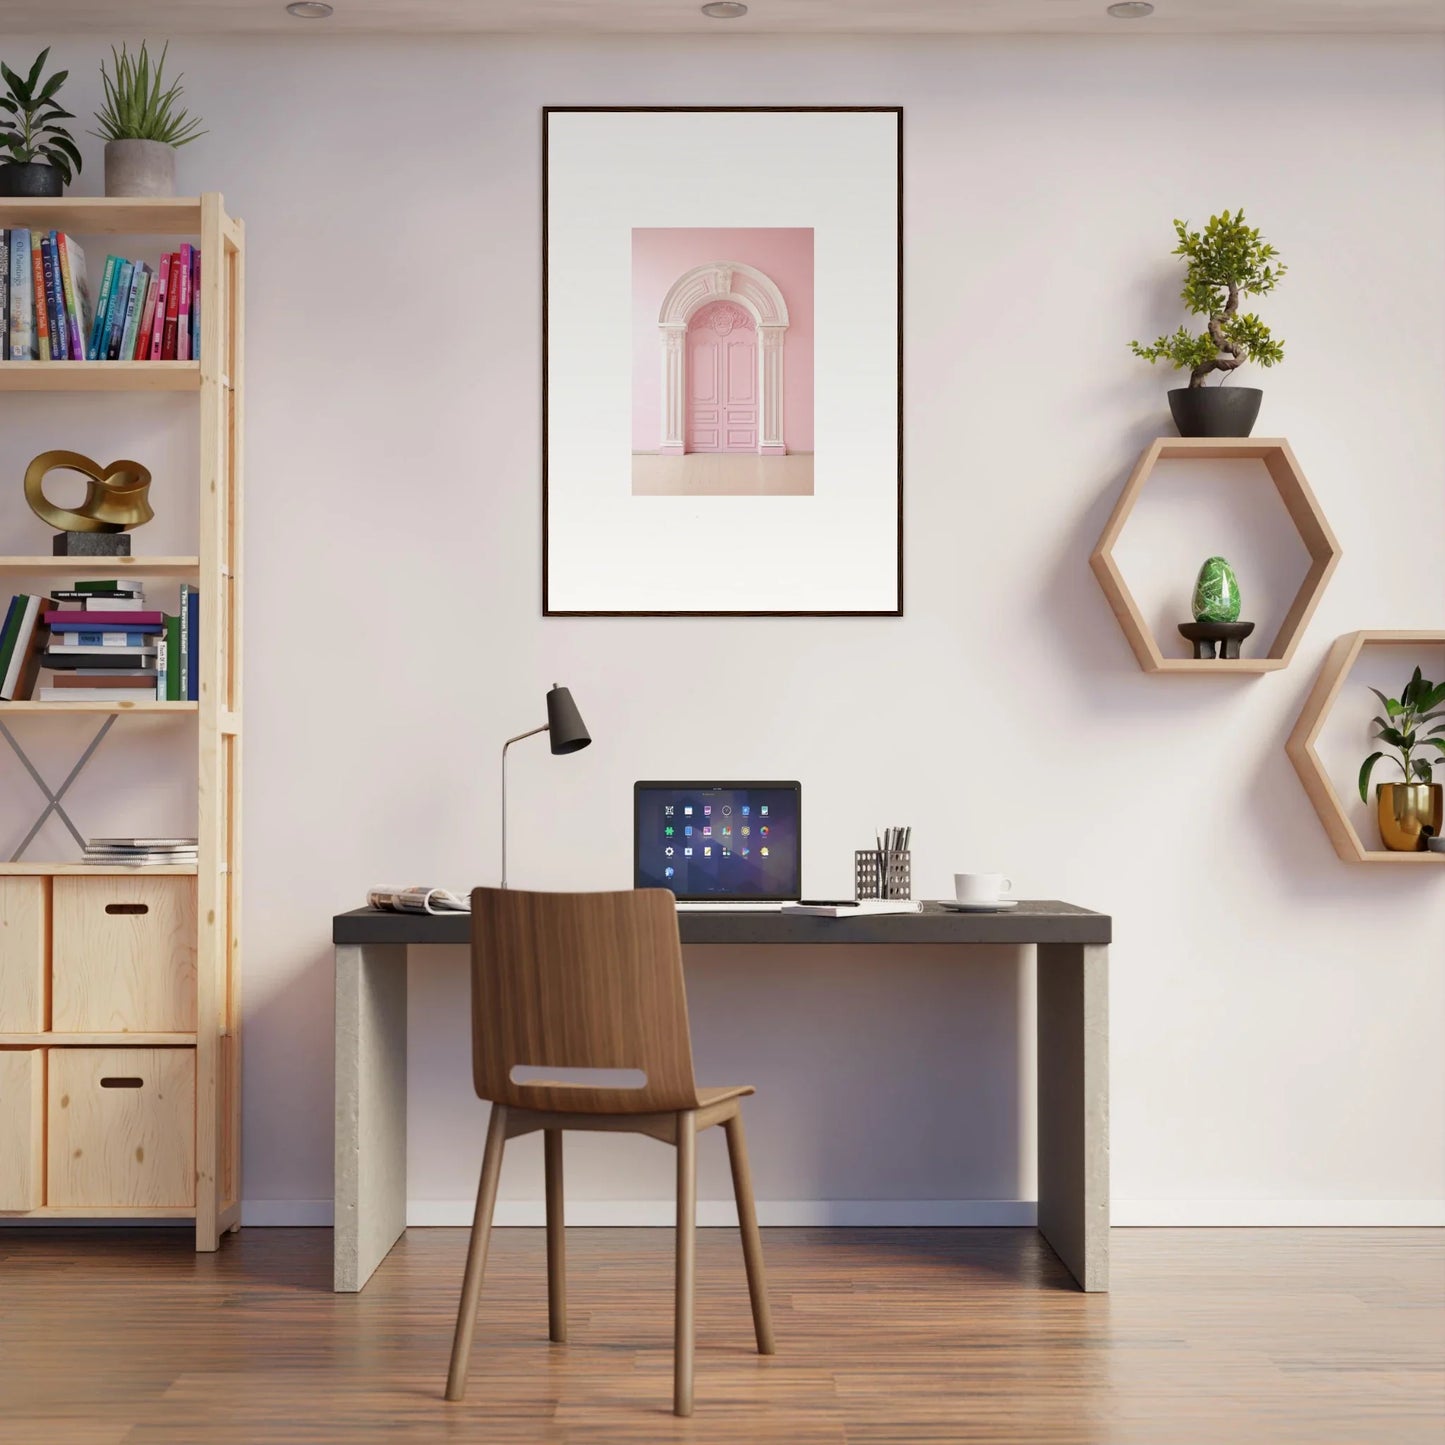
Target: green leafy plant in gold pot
(1412, 811)
(142, 124)
(1225, 263)
(37, 155)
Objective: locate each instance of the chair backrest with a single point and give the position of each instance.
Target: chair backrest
(580, 981)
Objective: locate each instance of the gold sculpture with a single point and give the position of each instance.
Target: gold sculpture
(115, 496)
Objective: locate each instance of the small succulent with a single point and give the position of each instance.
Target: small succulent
(1421, 702)
(28, 115)
(136, 108)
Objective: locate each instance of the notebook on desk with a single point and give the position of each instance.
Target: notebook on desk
(733, 846)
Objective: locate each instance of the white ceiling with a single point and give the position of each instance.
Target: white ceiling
(158, 18)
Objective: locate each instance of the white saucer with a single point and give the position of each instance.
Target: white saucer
(954, 907)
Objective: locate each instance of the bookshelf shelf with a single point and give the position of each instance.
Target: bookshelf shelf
(39, 894)
(103, 566)
(100, 376)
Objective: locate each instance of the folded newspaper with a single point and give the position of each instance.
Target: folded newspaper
(418, 900)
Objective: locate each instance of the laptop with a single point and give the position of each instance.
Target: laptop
(719, 845)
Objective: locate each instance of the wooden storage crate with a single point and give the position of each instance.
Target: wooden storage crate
(22, 1129)
(24, 937)
(123, 956)
(121, 1128)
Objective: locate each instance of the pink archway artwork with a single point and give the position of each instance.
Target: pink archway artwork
(722, 329)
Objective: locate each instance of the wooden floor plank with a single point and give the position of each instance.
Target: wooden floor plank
(128, 1337)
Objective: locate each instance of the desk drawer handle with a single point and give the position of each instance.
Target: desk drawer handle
(127, 908)
(122, 1082)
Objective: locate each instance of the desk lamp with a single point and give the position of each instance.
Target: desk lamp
(567, 734)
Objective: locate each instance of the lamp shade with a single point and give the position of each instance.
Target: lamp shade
(565, 729)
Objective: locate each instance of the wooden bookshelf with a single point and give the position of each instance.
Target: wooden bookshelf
(50, 902)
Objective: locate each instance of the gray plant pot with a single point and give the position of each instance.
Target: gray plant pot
(1215, 411)
(140, 168)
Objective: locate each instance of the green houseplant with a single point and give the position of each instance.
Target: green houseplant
(37, 155)
(1409, 812)
(141, 124)
(1224, 263)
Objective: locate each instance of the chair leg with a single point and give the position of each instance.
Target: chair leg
(556, 1238)
(748, 1228)
(477, 1253)
(686, 1262)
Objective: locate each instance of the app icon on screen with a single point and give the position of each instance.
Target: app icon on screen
(668, 830)
(687, 852)
(727, 832)
(763, 831)
(746, 830)
(727, 808)
(669, 872)
(727, 853)
(667, 810)
(707, 852)
(744, 852)
(686, 810)
(668, 850)
(763, 810)
(706, 831)
(763, 851)
(707, 810)
(687, 830)
(746, 810)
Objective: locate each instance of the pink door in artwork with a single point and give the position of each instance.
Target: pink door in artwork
(722, 380)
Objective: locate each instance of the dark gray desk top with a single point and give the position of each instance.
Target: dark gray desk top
(1033, 921)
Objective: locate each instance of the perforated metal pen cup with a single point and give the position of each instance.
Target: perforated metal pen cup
(879, 875)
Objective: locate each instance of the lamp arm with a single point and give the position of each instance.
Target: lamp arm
(530, 733)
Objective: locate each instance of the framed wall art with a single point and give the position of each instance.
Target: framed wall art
(722, 361)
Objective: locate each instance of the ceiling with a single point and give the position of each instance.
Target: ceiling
(60, 18)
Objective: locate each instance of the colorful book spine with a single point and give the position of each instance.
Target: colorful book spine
(147, 319)
(102, 639)
(24, 665)
(7, 633)
(22, 313)
(196, 304)
(133, 307)
(4, 295)
(193, 646)
(95, 349)
(119, 299)
(173, 659)
(183, 307)
(37, 290)
(59, 327)
(162, 668)
(158, 324)
(173, 300)
(77, 293)
(114, 621)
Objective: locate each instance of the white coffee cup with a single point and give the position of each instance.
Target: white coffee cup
(980, 887)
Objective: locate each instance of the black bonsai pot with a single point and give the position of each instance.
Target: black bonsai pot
(1215, 411)
(33, 178)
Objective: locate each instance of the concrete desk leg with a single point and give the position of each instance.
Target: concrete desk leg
(1073, 994)
(370, 1108)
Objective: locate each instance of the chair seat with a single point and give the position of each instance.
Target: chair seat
(723, 1092)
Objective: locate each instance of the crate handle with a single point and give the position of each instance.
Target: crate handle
(122, 1082)
(127, 908)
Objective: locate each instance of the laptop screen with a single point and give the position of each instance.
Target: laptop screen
(723, 841)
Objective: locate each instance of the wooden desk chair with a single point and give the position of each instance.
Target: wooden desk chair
(593, 981)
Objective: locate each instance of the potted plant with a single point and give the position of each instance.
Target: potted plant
(141, 126)
(1409, 812)
(37, 156)
(1226, 262)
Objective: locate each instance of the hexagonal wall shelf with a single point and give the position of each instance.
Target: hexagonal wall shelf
(1304, 512)
(1301, 746)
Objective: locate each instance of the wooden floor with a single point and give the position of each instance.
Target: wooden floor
(908, 1336)
(722, 474)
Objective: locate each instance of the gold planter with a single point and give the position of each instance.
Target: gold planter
(1409, 813)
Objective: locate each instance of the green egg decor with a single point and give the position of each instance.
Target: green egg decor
(1216, 592)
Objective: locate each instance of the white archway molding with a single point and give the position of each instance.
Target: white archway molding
(759, 295)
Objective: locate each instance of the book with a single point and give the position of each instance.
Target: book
(22, 312)
(77, 293)
(133, 307)
(111, 584)
(37, 292)
(183, 307)
(150, 844)
(59, 329)
(95, 349)
(4, 295)
(173, 299)
(158, 323)
(86, 694)
(142, 346)
(119, 299)
(114, 621)
(196, 304)
(173, 659)
(102, 639)
(89, 602)
(192, 646)
(92, 677)
(63, 659)
(8, 631)
(25, 656)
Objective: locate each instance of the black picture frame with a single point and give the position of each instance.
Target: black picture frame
(547, 113)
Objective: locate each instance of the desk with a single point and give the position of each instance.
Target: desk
(1073, 1056)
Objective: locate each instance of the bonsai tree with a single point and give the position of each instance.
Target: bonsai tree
(136, 108)
(28, 114)
(1226, 261)
(1421, 702)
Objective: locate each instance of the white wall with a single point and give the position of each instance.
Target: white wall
(1277, 1016)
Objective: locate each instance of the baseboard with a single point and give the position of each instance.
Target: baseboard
(1278, 1213)
(286, 1213)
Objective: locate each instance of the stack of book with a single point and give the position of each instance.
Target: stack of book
(140, 852)
(140, 313)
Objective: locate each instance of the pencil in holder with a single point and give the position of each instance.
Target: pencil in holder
(880, 874)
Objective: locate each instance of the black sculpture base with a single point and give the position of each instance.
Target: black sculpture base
(91, 544)
(1207, 635)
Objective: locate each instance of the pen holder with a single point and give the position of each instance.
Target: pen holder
(878, 875)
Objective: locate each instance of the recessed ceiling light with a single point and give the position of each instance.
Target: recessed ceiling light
(1131, 9)
(725, 10)
(309, 9)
